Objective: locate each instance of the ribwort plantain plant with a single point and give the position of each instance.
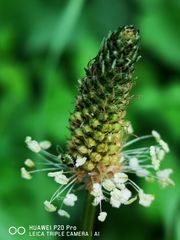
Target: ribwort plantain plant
(99, 157)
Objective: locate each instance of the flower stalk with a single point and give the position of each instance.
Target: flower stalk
(88, 217)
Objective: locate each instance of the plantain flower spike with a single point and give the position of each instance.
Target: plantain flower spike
(99, 156)
(97, 124)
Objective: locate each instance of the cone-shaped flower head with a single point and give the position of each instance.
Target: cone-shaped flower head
(97, 124)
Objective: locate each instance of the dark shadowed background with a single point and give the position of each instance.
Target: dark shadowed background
(44, 46)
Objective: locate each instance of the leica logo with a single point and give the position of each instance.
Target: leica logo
(16, 230)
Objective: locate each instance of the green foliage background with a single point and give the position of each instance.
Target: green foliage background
(44, 46)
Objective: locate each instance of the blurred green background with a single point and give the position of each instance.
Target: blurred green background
(44, 46)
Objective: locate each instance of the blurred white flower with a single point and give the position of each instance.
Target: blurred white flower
(152, 151)
(115, 198)
(122, 158)
(115, 202)
(32, 145)
(25, 174)
(141, 172)
(164, 145)
(120, 178)
(160, 153)
(49, 206)
(133, 163)
(70, 199)
(129, 128)
(125, 195)
(145, 199)
(45, 144)
(102, 216)
(97, 200)
(96, 190)
(28, 139)
(119, 196)
(29, 163)
(59, 177)
(80, 161)
(54, 174)
(63, 213)
(155, 160)
(163, 177)
(108, 184)
(156, 135)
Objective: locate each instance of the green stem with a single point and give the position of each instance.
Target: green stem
(88, 218)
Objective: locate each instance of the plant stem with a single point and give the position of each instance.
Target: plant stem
(88, 218)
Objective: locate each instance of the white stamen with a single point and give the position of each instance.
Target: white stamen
(160, 154)
(45, 144)
(163, 177)
(80, 161)
(102, 216)
(63, 213)
(152, 151)
(155, 160)
(32, 145)
(125, 195)
(120, 178)
(119, 196)
(114, 200)
(49, 206)
(133, 163)
(131, 200)
(54, 174)
(156, 164)
(141, 172)
(97, 190)
(25, 174)
(28, 139)
(164, 145)
(29, 163)
(59, 177)
(136, 140)
(122, 159)
(62, 189)
(156, 135)
(108, 184)
(70, 199)
(129, 128)
(97, 200)
(145, 199)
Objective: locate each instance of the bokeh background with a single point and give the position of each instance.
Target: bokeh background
(44, 46)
